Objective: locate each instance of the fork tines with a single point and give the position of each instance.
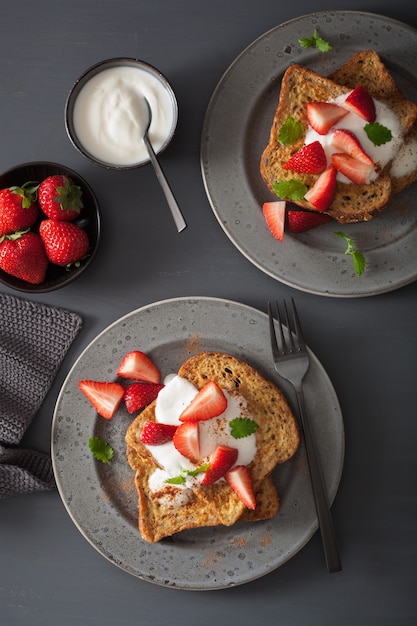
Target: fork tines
(294, 342)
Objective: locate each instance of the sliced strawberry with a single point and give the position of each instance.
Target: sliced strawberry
(359, 101)
(357, 171)
(300, 221)
(310, 159)
(136, 365)
(274, 213)
(323, 115)
(187, 441)
(104, 396)
(155, 433)
(139, 395)
(346, 141)
(240, 480)
(321, 194)
(209, 402)
(222, 461)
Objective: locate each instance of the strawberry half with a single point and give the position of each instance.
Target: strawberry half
(346, 141)
(300, 221)
(209, 402)
(155, 433)
(310, 159)
(321, 194)
(222, 461)
(139, 395)
(187, 441)
(357, 171)
(240, 480)
(360, 102)
(323, 115)
(274, 214)
(104, 396)
(136, 365)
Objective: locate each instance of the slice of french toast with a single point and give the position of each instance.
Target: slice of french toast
(367, 69)
(352, 202)
(277, 439)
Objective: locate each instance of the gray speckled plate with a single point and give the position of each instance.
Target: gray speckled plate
(101, 499)
(236, 130)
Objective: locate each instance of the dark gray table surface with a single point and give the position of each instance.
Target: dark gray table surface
(49, 574)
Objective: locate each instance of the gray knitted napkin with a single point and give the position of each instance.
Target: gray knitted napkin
(34, 339)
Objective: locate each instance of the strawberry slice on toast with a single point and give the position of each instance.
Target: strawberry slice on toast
(240, 480)
(187, 440)
(323, 115)
(209, 402)
(222, 460)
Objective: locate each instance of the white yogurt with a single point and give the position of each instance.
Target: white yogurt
(171, 401)
(406, 160)
(110, 115)
(381, 155)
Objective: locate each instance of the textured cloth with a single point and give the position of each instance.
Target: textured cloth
(34, 339)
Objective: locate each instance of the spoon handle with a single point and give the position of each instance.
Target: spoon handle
(172, 203)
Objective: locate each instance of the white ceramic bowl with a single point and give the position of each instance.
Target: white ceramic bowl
(106, 114)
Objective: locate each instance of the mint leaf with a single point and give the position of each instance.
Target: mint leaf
(293, 189)
(100, 449)
(290, 131)
(242, 427)
(357, 256)
(181, 478)
(177, 480)
(198, 470)
(377, 133)
(315, 42)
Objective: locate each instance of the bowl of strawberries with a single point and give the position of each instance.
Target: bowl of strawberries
(50, 226)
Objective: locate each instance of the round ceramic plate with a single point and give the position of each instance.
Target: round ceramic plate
(101, 499)
(236, 131)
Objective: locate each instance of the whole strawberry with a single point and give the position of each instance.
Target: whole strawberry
(18, 210)
(60, 198)
(65, 243)
(23, 255)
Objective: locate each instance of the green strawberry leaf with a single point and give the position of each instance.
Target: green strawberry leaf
(242, 427)
(100, 449)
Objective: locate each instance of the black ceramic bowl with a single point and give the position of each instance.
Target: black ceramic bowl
(146, 80)
(56, 277)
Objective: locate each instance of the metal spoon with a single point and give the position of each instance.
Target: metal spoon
(172, 203)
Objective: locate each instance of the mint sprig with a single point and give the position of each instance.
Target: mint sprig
(357, 256)
(242, 427)
(315, 42)
(182, 477)
(101, 450)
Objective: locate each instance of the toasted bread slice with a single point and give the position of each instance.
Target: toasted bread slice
(367, 69)
(300, 85)
(277, 440)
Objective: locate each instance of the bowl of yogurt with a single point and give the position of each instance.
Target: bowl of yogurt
(106, 112)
